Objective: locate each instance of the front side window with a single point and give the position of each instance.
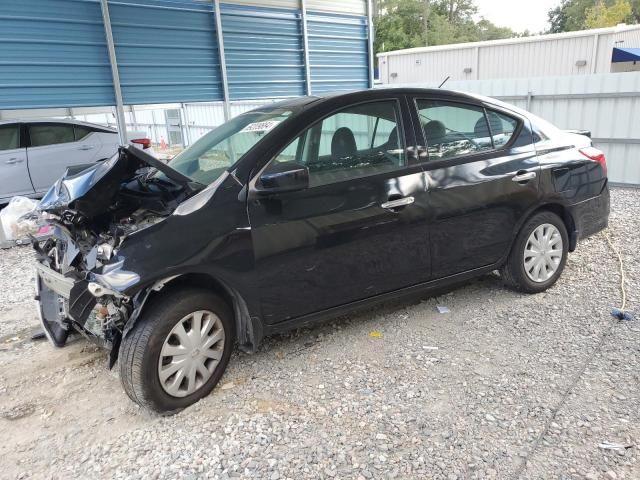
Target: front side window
(355, 142)
(215, 152)
(42, 135)
(9, 137)
(453, 129)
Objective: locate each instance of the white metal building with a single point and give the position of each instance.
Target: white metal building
(572, 53)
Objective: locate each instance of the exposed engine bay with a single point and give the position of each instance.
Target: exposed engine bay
(80, 281)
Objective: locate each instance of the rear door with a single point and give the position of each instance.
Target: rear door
(483, 177)
(55, 146)
(341, 240)
(14, 174)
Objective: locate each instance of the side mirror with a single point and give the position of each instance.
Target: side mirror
(283, 177)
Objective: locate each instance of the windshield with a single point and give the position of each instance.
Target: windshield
(214, 153)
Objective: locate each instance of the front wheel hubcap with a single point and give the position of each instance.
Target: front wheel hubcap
(190, 353)
(543, 253)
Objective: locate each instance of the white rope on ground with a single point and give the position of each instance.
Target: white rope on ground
(576, 378)
(622, 274)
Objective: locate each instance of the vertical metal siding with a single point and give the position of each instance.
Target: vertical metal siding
(354, 7)
(166, 50)
(430, 66)
(264, 51)
(338, 52)
(552, 57)
(294, 4)
(547, 56)
(53, 54)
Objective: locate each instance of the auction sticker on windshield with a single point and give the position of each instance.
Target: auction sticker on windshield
(261, 126)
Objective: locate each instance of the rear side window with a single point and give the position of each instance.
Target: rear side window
(453, 129)
(502, 128)
(9, 137)
(356, 142)
(81, 132)
(42, 135)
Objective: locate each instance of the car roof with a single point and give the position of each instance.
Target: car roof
(301, 103)
(66, 121)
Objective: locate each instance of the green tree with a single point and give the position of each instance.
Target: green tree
(571, 15)
(601, 15)
(456, 11)
(414, 23)
(399, 24)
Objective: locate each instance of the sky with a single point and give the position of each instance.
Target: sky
(519, 15)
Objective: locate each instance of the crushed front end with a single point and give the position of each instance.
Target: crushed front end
(80, 281)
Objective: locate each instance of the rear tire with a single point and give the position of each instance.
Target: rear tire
(153, 346)
(542, 241)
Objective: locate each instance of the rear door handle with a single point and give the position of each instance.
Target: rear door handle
(400, 202)
(86, 147)
(524, 177)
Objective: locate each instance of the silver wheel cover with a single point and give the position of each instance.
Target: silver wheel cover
(543, 253)
(190, 353)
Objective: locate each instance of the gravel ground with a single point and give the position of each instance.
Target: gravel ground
(504, 386)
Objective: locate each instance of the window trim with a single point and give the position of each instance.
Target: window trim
(400, 117)
(20, 145)
(470, 156)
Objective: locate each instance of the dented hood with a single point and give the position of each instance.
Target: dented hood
(91, 190)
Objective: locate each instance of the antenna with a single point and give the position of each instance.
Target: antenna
(444, 81)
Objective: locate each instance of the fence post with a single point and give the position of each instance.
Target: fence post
(187, 125)
(117, 90)
(370, 40)
(223, 60)
(305, 44)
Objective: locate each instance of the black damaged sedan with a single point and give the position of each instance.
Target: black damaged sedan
(303, 210)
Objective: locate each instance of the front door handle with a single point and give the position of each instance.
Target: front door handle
(86, 147)
(400, 202)
(11, 161)
(524, 176)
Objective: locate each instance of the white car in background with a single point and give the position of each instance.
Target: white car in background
(36, 153)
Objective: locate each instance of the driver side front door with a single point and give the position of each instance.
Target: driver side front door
(343, 239)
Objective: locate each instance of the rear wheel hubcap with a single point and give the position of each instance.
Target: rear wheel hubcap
(543, 253)
(190, 353)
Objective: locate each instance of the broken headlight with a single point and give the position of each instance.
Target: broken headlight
(104, 252)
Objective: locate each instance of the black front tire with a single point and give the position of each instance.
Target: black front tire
(513, 271)
(140, 349)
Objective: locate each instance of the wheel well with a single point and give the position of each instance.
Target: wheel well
(249, 330)
(566, 217)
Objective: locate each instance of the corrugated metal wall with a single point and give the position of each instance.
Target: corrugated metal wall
(53, 54)
(167, 50)
(338, 52)
(561, 54)
(608, 105)
(552, 57)
(264, 51)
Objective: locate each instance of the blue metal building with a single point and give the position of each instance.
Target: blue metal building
(79, 53)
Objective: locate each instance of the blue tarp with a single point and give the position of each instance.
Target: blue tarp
(625, 55)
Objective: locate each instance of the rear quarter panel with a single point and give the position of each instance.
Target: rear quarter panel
(577, 183)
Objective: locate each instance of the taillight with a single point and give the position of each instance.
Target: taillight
(593, 153)
(145, 142)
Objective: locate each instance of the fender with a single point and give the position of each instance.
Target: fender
(249, 329)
